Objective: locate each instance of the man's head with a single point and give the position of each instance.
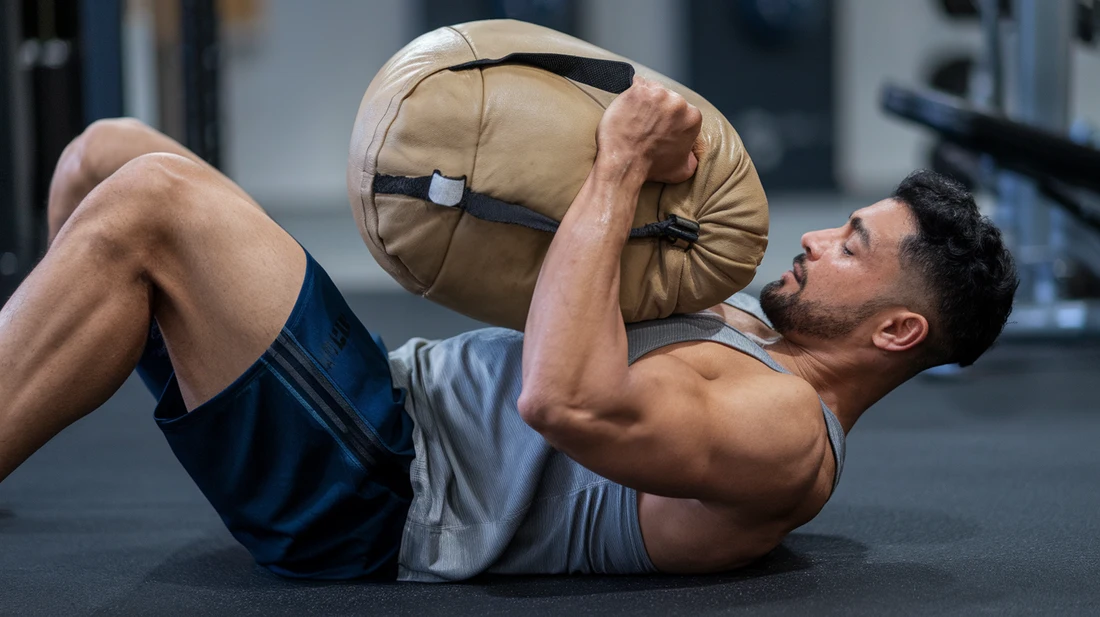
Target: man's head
(921, 272)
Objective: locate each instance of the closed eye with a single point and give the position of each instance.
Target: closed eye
(860, 230)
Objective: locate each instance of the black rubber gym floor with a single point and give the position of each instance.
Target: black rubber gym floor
(971, 495)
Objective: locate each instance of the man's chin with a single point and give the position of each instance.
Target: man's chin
(778, 304)
(774, 289)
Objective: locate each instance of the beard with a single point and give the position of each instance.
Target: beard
(792, 314)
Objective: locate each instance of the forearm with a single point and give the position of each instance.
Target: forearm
(575, 348)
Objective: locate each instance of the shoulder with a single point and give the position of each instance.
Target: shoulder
(775, 435)
(782, 405)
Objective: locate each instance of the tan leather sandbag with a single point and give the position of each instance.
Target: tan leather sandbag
(525, 137)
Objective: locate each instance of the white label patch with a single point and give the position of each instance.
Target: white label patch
(446, 191)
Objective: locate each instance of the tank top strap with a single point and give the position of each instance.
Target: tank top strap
(750, 304)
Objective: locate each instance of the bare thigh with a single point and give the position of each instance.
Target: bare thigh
(225, 278)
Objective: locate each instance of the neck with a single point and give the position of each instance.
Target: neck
(846, 385)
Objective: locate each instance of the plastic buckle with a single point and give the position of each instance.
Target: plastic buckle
(682, 229)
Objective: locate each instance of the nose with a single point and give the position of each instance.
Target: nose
(815, 243)
(811, 244)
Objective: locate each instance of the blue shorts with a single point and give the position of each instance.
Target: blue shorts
(306, 455)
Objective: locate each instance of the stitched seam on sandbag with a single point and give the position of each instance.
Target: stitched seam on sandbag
(481, 125)
(404, 94)
(583, 91)
(480, 119)
(363, 165)
(745, 167)
(746, 240)
(473, 166)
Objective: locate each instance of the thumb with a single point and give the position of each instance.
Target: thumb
(689, 167)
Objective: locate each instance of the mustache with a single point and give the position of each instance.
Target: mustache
(800, 261)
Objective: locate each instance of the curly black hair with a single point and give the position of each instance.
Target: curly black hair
(965, 268)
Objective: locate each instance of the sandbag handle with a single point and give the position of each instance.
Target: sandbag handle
(453, 193)
(612, 76)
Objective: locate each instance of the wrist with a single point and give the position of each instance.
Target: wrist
(620, 167)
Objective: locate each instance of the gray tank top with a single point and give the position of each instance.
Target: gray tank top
(490, 494)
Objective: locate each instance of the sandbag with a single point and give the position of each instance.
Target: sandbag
(470, 145)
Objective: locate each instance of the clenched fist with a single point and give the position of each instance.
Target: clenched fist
(652, 130)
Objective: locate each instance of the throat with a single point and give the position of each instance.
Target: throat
(747, 324)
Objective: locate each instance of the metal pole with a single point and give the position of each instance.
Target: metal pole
(16, 214)
(989, 91)
(101, 43)
(1045, 31)
(200, 79)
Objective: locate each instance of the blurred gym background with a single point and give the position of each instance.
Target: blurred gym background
(267, 90)
(964, 493)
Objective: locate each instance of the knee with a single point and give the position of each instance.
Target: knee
(154, 176)
(109, 129)
(79, 161)
(81, 165)
(136, 206)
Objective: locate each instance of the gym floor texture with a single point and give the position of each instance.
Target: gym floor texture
(976, 494)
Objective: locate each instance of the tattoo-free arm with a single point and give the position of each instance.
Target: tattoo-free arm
(657, 426)
(575, 352)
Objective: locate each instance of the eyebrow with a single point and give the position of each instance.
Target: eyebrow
(861, 230)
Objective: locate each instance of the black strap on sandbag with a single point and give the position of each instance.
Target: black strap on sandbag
(674, 228)
(611, 76)
(475, 204)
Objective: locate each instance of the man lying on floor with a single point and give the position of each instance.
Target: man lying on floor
(689, 444)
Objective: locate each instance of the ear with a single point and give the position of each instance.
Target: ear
(901, 331)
